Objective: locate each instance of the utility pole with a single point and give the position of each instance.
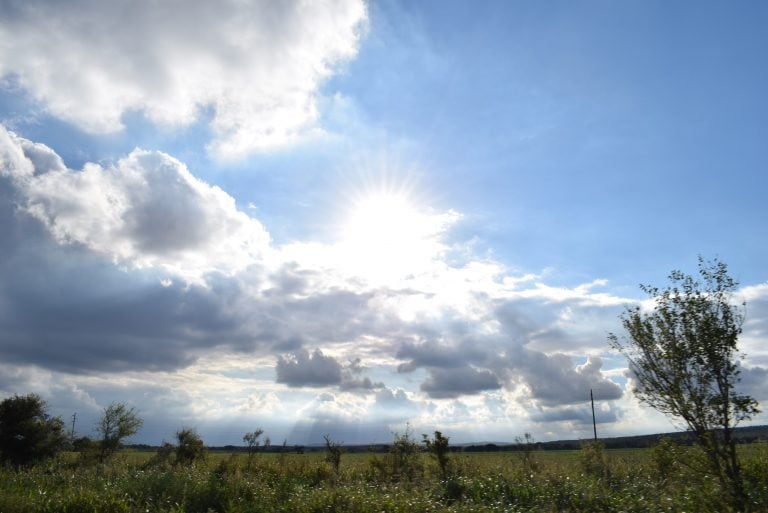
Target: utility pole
(74, 418)
(594, 424)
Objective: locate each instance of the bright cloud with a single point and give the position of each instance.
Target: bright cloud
(255, 65)
(146, 210)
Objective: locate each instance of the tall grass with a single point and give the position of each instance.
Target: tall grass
(590, 480)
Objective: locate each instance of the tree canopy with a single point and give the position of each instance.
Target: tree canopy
(116, 424)
(683, 355)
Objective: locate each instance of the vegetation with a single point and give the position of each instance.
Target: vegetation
(190, 447)
(252, 442)
(117, 423)
(684, 357)
(27, 433)
(333, 456)
(438, 447)
(285, 482)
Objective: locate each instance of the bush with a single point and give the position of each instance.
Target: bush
(438, 447)
(27, 433)
(593, 459)
(665, 455)
(190, 447)
(333, 456)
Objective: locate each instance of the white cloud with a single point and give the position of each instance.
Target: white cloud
(255, 64)
(146, 210)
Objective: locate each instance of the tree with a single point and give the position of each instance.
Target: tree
(116, 424)
(684, 357)
(27, 433)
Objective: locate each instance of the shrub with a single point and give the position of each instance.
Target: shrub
(665, 455)
(438, 447)
(190, 447)
(27, 433)
(333, 456)
(527, 447)
(593, 459)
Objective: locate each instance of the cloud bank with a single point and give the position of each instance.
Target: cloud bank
(139, 280)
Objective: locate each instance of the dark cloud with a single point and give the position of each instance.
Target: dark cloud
(470, 364)
(451, 383)
(554, 379)
(754, 382)
(303, 368)
(352, 378)
(580, 416)
(431, 354)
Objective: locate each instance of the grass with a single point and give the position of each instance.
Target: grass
(576, 481)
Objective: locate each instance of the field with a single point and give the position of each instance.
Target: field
(589, 480)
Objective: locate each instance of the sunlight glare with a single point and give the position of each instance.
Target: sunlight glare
(387, 238)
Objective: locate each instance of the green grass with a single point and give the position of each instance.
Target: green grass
(612, 481)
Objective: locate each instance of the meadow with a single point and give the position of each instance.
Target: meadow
(663, 479)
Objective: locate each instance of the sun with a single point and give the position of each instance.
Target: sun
(387, 237)
(382, 220)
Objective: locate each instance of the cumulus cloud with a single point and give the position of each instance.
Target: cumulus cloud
(460, 369)
(578, 416)
(139, 268)
(303, 368)
(451, 383)
(147, 210)
(553, 379)
(254, 65)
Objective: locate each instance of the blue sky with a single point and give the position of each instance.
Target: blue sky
(346, 217)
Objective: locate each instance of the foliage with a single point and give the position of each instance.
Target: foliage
(665, 456)
(527, 447)
(117, 423)
(593, 459)
(401, 463)
(486, 482)
(27, 433)
(404, 454)
(685, 359)
(333, 456)
(438, 447)
(190, 447)
(252, 441)
(163, 455)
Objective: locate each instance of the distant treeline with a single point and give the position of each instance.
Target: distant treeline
(747, 434)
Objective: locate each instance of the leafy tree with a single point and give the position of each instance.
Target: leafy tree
(684, 357)
(116, 424)
(27, 433)
(190, 446)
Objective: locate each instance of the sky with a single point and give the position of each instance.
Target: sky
(354, 218)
